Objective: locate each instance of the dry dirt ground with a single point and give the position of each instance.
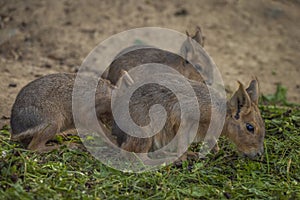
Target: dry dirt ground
(244, 38)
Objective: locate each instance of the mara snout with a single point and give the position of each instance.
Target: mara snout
(245, 126)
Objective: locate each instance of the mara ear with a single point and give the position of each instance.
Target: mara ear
(199, 36)
(187, 34)
(240, 102)
(188, 50)
(125, 79)
(253, 91)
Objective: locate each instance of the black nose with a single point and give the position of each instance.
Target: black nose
(208, 81)
(252, 155)
(261, 152)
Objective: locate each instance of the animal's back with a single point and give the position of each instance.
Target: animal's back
(137, 57)
(46, 98)
(149, 95)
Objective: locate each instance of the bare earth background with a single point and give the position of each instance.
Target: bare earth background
(244, 38)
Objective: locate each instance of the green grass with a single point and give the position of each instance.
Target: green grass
(75, 174)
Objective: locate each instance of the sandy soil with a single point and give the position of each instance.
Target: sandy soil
(244, 38)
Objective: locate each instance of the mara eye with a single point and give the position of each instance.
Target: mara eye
(250, 128)
(198, 67)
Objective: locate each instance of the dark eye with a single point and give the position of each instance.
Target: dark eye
(250, 128)
(198, 67)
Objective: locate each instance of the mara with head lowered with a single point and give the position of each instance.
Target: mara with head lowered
(243, 125)
(191, 61)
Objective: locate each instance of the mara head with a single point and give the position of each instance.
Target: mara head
(245, 126)
(192, 52)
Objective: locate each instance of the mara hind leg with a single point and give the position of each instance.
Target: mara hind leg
(40, 138)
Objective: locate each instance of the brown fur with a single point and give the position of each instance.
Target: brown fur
(44, 108)
(141, 54)
(242, 108)
(250, 144)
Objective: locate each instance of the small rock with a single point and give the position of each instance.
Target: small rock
(181, 12)
(12, 85)
(68, 23)
(7, 19)
(48, 66)
(4, 153)
(23, 25)
(5, 117)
